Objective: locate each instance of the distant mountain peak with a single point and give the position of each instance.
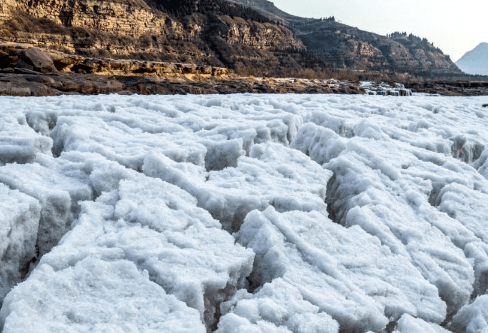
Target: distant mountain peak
(475, 62)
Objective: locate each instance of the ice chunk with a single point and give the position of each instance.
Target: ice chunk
(465, 150)
(361, 281)
(342, 126)
(482, 163)
(99, 173)
(158, 227)
(95, 296)
(472, 318)
(276, 307)
(409, 324)
(58, 194)
(19, 221)
(321, 144)
(18, 142)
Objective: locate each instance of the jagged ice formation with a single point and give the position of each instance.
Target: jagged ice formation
(243, 213)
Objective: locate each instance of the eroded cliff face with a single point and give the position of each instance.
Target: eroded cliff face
(132, 29)
(343, 46)
(348, 47)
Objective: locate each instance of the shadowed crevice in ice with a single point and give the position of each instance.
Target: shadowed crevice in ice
(213, 301)
(336, 204)
(42, 121)
(465, 150)
(221, 155)
(434, 197)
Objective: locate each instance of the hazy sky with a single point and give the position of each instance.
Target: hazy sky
(454, 26)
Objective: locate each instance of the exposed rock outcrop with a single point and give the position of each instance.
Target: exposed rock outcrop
(133, 29)
(36, 60)
(450, 88)
(341, 46)
(89, 84)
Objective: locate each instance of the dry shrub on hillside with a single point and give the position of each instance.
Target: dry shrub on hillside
(247, 71)
(23, 22)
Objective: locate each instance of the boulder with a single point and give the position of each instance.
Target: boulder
(485, 105)
(37, 60)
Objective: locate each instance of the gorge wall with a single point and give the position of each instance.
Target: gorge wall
(341, 46)
(277, 44)
(133, 29)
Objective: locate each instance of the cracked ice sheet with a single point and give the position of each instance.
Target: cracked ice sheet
(344, 272)
(119, 142)
(156, 227)
(185, 133)
(375, 188)
(273, 175)
(412, 133)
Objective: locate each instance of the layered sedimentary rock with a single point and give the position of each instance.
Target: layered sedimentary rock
(280, 44)
(335, 44)
(132, 29)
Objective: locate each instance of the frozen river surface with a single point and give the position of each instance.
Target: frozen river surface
(243, 213)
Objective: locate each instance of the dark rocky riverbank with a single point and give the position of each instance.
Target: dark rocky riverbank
(29, 84)
(450, 88)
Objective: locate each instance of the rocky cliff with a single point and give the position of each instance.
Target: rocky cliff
(341, 46)
(137, 29)
(246, 35)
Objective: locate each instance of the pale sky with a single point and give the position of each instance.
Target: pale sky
(452, 25)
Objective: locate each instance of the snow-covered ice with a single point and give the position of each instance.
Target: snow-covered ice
(243, 213)
(96, 296)
(19, 217)
(472, 318)
(409, 324)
